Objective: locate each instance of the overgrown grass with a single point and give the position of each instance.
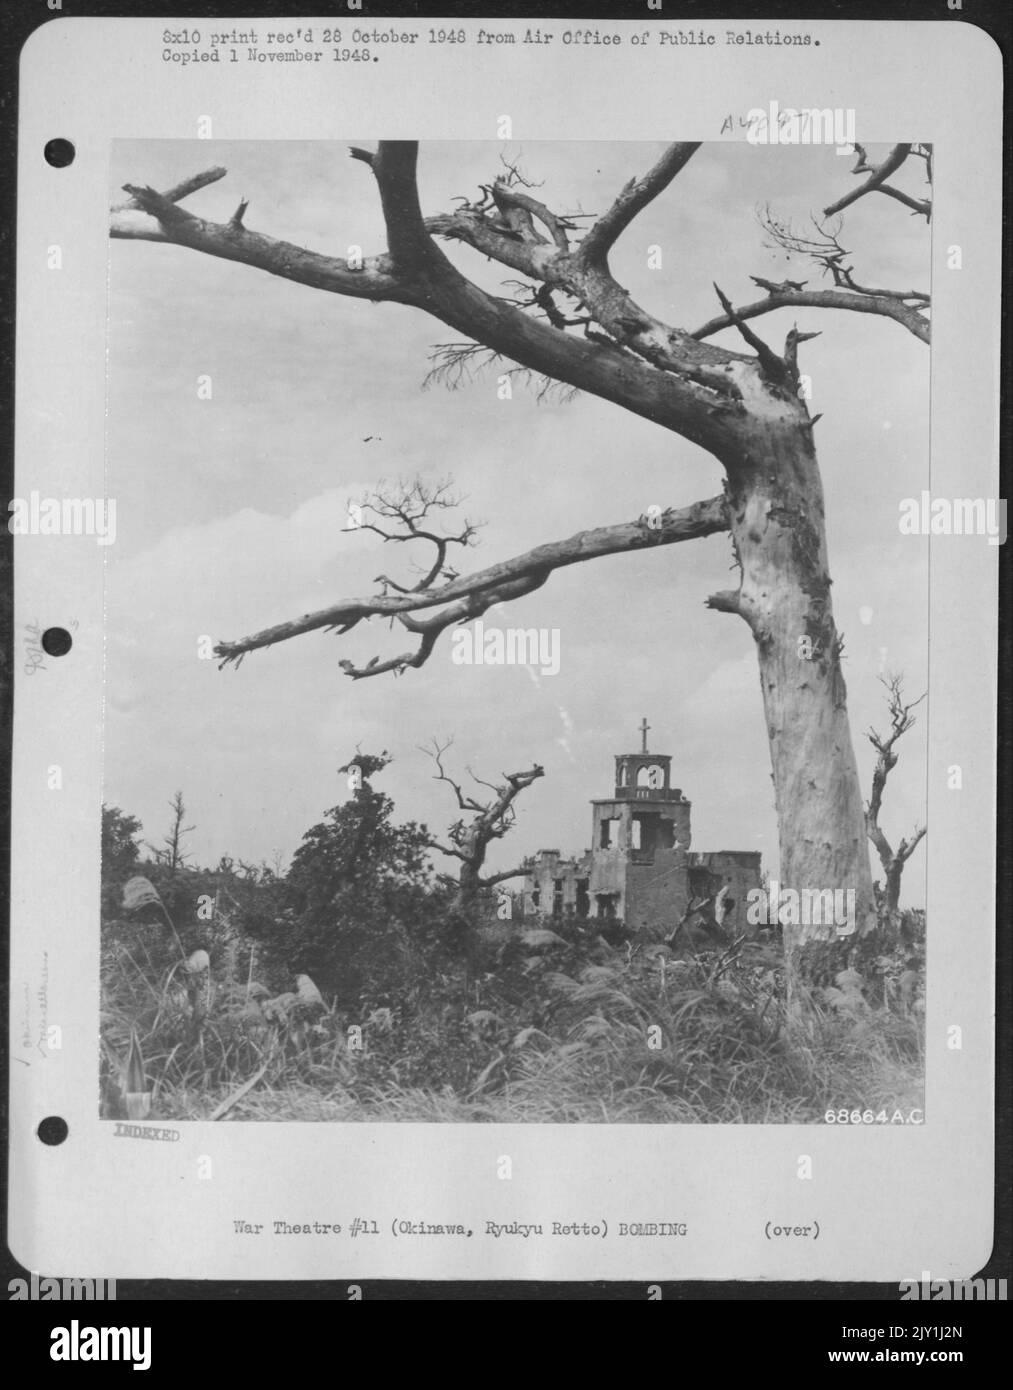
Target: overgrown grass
(576, 1034)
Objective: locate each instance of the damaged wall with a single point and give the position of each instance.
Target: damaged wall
(640, 869)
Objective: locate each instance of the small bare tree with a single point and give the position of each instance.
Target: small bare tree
(173, 855)
(469, 840)
(892, 860)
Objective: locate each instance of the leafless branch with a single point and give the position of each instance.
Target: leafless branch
(469, 839)
(490, 880)
(785, 298)
(878, 174)
(429, 629)
(822, 245)
(651, 368)
(471, 595)
(177, 193)
(408, 503)
(150, 216)
(436, 752)
(637, 194)
(519, 211)
(454, 365)
(791, 344)
(901, 720)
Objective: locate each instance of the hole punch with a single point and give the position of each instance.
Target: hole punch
(53, 1130)
(56, 641)
(59, 153)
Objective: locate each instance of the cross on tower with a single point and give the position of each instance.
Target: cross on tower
(644, 726)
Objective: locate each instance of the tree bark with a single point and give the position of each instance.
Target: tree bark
(775, 504)
(891, 896)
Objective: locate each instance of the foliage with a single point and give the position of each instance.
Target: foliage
(342, 990)
(359, 897)
(568, 1036)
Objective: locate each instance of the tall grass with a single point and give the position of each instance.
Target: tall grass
(571, 1036)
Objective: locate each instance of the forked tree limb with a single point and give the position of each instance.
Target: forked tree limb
(469, 840)
(583, 274)
(406, 505)
(922, 206)
(521, 208)
(660, 372)
(470, 596)
(694, 388)
(429, 629)
(823, 246)
(152, 216)
(886, 306)
(901, 720)
(641, 363)
(880, 173)
(907, 847)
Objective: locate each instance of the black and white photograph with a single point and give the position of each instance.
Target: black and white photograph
(572, 767)
(507, 530)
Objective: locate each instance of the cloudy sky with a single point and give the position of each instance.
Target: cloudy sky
(230, 510)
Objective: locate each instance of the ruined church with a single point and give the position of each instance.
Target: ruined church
(640, 869)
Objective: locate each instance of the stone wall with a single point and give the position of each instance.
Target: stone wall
(640, 869)
(557, 887)
(739, 870)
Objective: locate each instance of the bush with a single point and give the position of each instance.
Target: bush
(351, 989)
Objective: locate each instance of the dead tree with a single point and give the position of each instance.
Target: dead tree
(746, 409)
(174, 856)
(469, 840)
(892, 860)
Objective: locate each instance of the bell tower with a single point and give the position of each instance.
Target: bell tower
(644, 776)
(641, 836)
(640, 869)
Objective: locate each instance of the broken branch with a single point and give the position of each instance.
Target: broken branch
(891, 308)
(879, 175)
(773, 366)
(637, 194)
(487, 586)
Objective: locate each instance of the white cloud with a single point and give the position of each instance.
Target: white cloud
(230, 511)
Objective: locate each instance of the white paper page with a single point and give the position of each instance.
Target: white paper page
(599, 1073)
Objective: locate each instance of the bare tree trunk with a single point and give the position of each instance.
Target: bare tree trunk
(893, 861)
(776, 513)
(468, 842)
(891, 896)
(468, 885)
